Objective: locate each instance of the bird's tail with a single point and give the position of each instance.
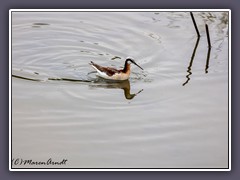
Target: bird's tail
(91, 63)
(94, 66)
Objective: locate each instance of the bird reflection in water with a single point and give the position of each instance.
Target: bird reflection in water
(98, 83)
(124, 85)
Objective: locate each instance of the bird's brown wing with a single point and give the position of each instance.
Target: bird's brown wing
(108, 70)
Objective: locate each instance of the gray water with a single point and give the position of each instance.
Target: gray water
(172, 114)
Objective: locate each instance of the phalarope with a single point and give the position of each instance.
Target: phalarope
(115, 74)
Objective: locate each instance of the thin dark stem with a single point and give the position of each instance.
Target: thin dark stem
(208, 37)
(21, 77)
(195, 25)
(207, 62)
(191, 62)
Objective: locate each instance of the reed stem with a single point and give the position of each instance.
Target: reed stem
(195, 25)
(208, 37)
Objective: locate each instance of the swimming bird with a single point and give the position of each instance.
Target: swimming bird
(111, 73)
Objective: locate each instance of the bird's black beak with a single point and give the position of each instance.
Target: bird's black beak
(137, 65)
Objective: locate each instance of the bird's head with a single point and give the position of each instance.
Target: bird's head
(130, 60)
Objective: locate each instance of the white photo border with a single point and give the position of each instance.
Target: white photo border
(119, 169)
